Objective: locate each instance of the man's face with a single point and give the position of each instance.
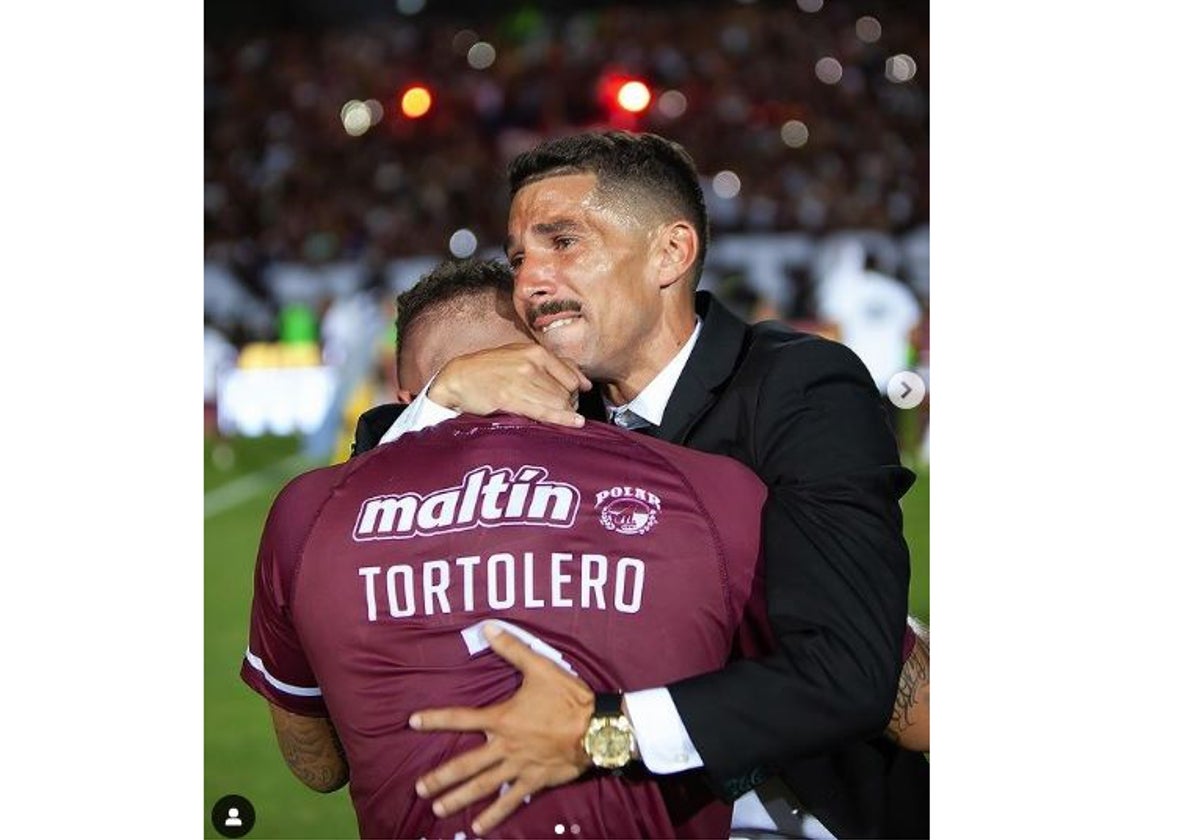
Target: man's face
(479, 322)
(585, 283)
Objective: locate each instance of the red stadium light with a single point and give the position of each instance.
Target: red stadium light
(623, 96)
(633, 96)
(416, 101)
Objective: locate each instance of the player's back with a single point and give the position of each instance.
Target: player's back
(629, 559)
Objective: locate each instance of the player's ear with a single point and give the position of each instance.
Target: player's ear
(678, 246)
(404, 396)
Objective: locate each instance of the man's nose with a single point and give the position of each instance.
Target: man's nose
(535, 280)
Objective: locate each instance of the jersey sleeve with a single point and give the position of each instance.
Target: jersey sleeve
(275, 664)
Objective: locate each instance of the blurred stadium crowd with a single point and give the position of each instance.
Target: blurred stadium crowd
(808, 121)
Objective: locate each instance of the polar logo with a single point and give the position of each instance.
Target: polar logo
(628, 510)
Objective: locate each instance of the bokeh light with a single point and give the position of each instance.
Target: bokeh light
(672, 104)
(829, 70)
(634, 96)
(409, 7)
(900, 68)
(415, 102)
(463, 243)
(463, 40)
(794, 133)
(481, 55)
(810, 5)
(868, 29)
(375, 108)
(356, 118)
(726, 184)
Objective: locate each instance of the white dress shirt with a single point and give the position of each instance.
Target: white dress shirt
(650, 404)
(421, 413)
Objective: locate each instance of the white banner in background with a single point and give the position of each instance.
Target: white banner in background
(274, 401)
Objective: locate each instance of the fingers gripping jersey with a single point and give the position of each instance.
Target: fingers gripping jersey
(627, 559)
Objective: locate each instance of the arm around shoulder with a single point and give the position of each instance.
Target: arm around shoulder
(836, 569)
(837, 565)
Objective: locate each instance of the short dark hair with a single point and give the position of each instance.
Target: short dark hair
(450, 281)
(621, 160)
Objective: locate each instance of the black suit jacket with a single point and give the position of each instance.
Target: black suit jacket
(804, 414)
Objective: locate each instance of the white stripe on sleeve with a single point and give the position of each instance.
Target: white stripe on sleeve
(286, 688)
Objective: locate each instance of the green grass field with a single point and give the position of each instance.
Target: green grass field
(240, 755)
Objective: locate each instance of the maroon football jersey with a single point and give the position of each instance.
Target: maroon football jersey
(628, 560)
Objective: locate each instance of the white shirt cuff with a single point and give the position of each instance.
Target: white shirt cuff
(421, 413)
(662, 740)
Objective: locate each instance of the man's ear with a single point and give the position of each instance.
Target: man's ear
(678, 247)
(404, 396)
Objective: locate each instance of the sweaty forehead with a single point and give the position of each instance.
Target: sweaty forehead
(558, 202)
(553, 195)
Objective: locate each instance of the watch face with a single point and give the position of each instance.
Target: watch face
(609, 746)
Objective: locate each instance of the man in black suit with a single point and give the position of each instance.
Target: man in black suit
(607, 234)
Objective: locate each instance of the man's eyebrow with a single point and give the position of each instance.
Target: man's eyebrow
(556, 226)
(546, 229)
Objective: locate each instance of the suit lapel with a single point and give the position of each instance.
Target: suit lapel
(712, 362)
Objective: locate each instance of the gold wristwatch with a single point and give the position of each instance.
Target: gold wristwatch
(609, 740)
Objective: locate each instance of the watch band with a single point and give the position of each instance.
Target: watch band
(608, 705)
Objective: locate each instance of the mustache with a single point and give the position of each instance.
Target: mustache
(551, 307)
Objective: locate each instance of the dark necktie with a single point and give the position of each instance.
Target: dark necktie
(633, 422)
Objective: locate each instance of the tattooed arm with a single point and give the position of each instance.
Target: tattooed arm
(909, 726)
(312, 750)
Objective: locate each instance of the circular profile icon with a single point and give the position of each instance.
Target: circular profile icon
(233, 816)
(628, 515)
